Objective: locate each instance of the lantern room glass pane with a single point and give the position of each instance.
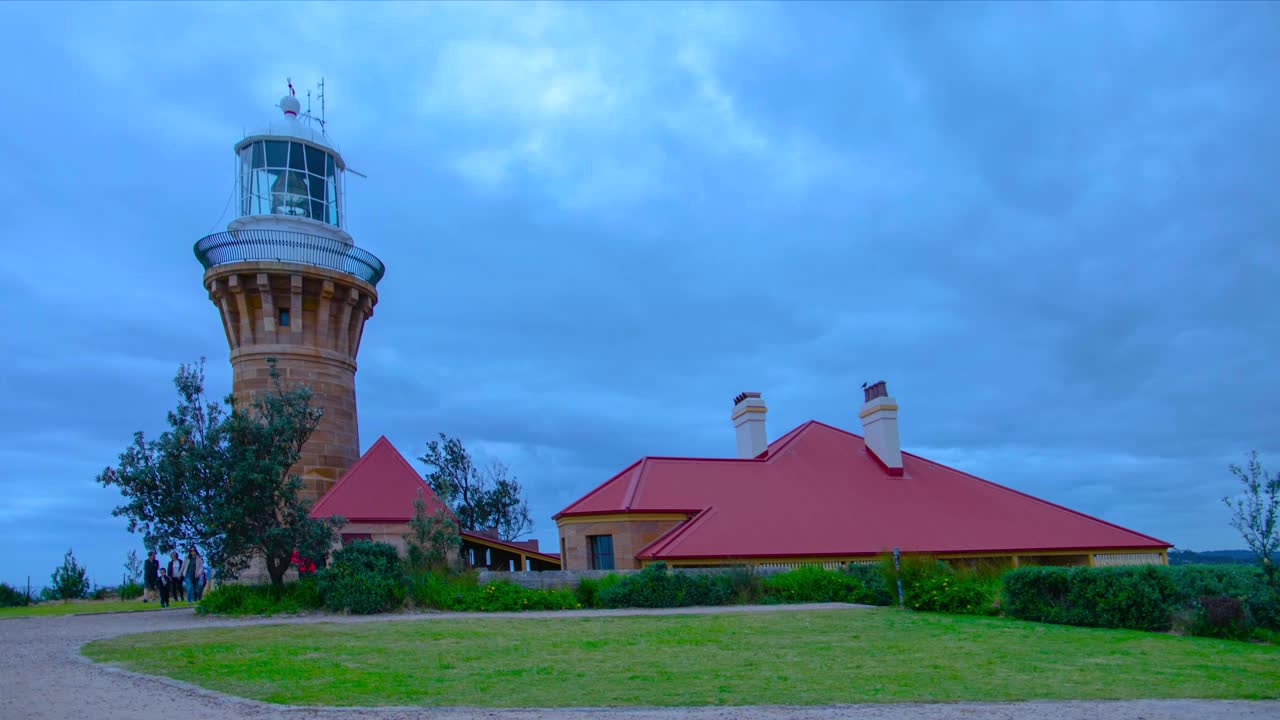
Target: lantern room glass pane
(317, 187)
(259, 158)
(297, 160)
(277, 153)
(315, 160)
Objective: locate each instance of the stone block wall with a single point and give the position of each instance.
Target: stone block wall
(629, 537)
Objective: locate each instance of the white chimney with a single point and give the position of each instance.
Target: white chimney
(879, 417)
(748, 421)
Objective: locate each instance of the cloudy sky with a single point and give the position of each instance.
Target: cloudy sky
(1051, 228)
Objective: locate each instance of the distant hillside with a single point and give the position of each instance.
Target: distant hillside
(1212, 557)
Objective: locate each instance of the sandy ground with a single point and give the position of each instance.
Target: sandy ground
(43, 675)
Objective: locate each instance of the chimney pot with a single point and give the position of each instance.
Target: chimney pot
(879, 417)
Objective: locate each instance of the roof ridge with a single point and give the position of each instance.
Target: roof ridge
(634, 486)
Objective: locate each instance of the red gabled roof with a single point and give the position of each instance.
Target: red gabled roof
(380, 487)
(817, 491)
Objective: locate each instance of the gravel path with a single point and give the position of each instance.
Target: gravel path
(43, 675)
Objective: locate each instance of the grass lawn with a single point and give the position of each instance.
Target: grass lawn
(83, 606)
(788, 658)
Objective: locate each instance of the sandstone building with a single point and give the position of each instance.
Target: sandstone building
(821, 495)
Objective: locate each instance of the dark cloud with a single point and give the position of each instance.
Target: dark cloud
(1049, 227)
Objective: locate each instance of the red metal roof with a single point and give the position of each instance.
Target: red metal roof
(817, 491)
(380, 487)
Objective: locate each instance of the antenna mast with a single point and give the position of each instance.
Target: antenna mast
(321, 106)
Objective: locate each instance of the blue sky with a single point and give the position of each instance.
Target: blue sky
(1052, 228)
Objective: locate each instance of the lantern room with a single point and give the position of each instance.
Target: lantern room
(290, 171)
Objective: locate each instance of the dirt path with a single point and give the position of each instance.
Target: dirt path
(43, 675)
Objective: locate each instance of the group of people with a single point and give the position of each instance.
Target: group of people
(183, 579)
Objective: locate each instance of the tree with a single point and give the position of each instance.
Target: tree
(132, 567)
(453, 475)
(1256, 514)
(504, 504)
(69, 580)
(432, 538)
(480, 499)
(219, 478)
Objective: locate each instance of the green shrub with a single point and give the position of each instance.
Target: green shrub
(1220, 616)
(744, 585)
(935, 586)
(130, 590)
(293, 598)
(1138, 598)
(509, 597)
(873, 585)
(810, 583)
(654, 587)
(12, 597)
(363, 578)
(462, 593)
(1216, 600)
(588, 589)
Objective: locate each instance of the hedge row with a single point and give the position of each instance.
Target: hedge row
(1224, 601)
(368, 577)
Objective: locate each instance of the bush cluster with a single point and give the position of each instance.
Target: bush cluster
(588, 589)
(293, 598)
(935, 586)
(858, 584)
(463, 593)
(11, 597)
(130, 590)
(1221, 601)
(364, 578)
(654, 587)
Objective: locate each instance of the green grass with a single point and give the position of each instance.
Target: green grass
(789, 658)
(76, 607)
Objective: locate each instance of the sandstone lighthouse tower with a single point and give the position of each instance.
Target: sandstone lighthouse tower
(290, 283)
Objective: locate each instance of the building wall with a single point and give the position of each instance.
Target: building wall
(389, 533)
(630, 534)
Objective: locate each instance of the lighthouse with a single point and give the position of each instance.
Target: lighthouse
(289, 283)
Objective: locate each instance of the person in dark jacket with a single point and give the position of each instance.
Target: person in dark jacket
(163, 583)
(150, 574)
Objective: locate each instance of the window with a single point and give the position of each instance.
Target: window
(289, 178)
(348, 538)
(284, 317)
(601, 551)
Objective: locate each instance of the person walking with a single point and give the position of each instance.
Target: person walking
(175, 577)
(150, 572)
(202, 579)
(191, 568)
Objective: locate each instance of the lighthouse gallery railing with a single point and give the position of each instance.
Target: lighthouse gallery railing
(285, 246)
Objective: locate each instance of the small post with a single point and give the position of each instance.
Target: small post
(897, 566)
(28, 589)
